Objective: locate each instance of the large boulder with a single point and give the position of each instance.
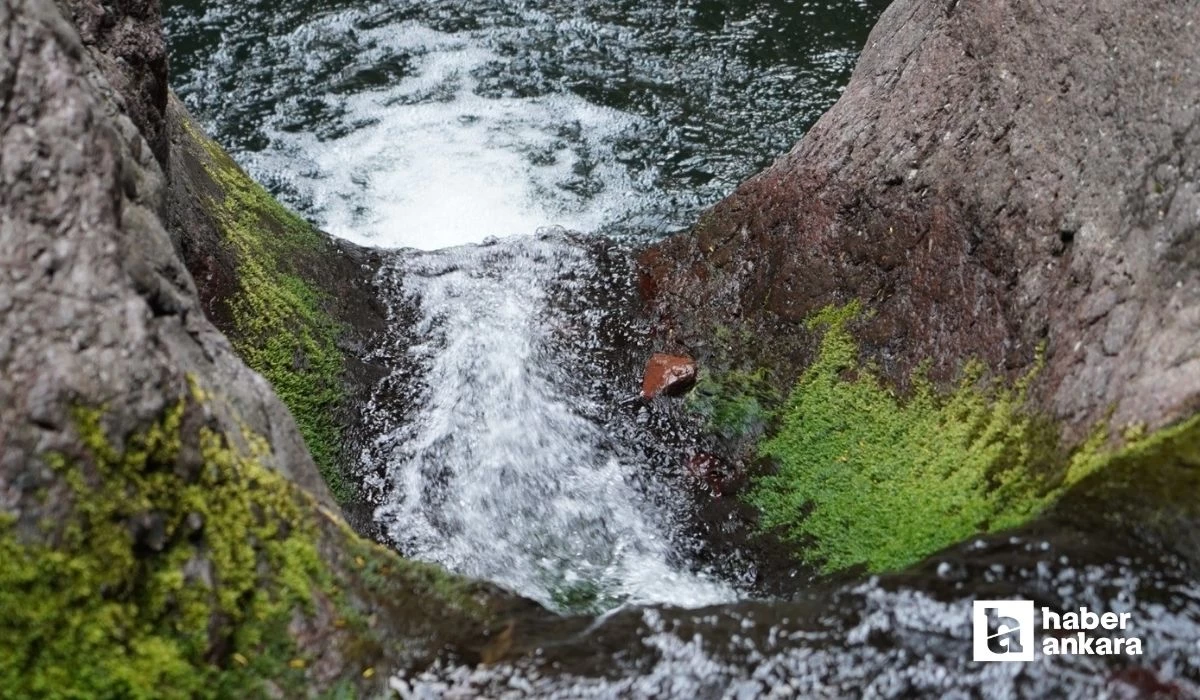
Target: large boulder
(997, 177)
(163, 528)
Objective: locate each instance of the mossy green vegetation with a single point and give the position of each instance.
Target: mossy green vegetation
(733, 404)
(194, 602)
(866, 477)
(177, 565)
(282, 329)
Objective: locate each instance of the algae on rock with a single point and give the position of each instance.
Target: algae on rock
(281, 328)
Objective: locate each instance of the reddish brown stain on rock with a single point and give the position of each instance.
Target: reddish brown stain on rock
(668, 375)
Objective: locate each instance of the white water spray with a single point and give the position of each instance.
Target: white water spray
(500, 475)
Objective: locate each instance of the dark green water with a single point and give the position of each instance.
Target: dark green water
(433, 123)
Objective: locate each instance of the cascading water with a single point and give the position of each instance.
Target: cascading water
(504, 472)
(432, 124)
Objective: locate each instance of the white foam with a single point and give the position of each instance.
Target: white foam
(432, 164)
(499, 475)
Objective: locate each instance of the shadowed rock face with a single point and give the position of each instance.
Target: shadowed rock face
(127, 42)
(99, 310)
(996, 176)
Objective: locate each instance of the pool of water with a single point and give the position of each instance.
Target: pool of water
(428, 124)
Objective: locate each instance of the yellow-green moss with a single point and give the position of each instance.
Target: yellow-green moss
(282, 330)
(201, 610)
(865, 477)
(175, 564)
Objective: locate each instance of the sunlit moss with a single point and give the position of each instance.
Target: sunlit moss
(282, 330)
(867, 478)
(176, 566)
(197, 606)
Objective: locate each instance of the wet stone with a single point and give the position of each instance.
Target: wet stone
(668, 375)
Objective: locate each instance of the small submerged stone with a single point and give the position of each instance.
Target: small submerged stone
(668, 375)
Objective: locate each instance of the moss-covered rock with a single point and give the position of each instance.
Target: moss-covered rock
(299, 306)
(860, 475)
(280, 322)
(182, 567)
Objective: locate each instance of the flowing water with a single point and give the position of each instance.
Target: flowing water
(435, 124)
(510, 471)
(461, 133)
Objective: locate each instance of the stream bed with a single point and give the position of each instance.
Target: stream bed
(510, 154)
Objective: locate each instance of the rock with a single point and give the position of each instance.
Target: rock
(160, 514)
(314, 347)
(992, 180)
(127, 44)
(668, 375)
(712, 471)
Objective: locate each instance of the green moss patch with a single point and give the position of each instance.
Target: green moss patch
(734, 404)
(868, 478)
(156, 586)
(282, 329)
(174, 564)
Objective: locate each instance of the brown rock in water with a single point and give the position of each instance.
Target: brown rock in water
(668, 375)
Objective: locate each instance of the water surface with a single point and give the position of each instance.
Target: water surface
(436, 123)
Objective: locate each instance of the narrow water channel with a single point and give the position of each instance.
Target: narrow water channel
(438, 126)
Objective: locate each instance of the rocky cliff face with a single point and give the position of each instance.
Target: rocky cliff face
(997, 176)
(125, 40)
(162, 524)
(974, 278)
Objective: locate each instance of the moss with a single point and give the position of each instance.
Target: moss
(156, 586)
(282, 329)
(867, 478)
(1151, 484)
(733, 404)
(381, 570)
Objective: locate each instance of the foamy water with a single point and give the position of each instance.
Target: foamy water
(431, 163)
(501, 474)
(427, 123)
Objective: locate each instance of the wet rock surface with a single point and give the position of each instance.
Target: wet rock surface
(340, 275)
(668, 375)
(994, 178)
